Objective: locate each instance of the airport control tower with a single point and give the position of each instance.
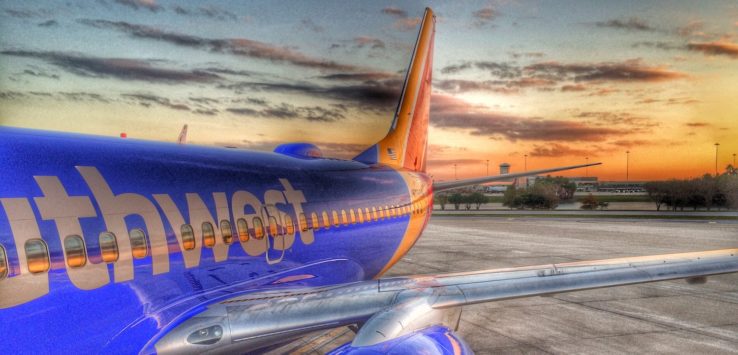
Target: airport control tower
(504, 168)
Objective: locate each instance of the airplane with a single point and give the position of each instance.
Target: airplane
(114, 245)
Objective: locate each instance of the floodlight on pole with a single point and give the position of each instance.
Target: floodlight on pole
(627, 165)
(586, 169)
(716, 158)
(734, 160)
(525, 167)
(487, 167)
(455, 176)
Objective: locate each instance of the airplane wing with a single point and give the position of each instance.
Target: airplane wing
(447, 185)
(390, 308)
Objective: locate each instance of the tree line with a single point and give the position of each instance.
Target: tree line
(457, 199)
(708, 192)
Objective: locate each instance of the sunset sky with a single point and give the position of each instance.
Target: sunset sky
(556, 80)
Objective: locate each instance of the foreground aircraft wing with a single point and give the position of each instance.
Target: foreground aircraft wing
(390, 308)
(447, 185)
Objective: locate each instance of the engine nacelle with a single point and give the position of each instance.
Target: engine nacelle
(432, 340)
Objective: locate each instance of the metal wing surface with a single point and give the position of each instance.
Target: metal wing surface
(388, 308)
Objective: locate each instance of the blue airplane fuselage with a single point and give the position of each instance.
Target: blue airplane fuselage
(53, 185)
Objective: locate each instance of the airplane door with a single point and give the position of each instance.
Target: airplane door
(275, 233)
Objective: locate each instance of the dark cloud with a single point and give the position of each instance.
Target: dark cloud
(728, 49)
(49, 23)
(377, 95)
(556, 150)
(147, 100)
(310, 25)
(246, 73)
(574, 88)
(119, 68)
(78, 96)
(205, 112)
(370, 42)
(658, 45)
(697, 124)
(214, 12)
(140, 4)
(371, 76)
(460, 86)
(28, 13)
(289, 112)
(484, 16)
(40, 74)
(12, 95)
(517, 55)
(631, 24)
(450, 112)
(628, 143)
(394, 11)
(237, 46)
(691, 29)
(627, 71)
(501, 70)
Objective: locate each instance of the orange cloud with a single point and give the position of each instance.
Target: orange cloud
(715, 48)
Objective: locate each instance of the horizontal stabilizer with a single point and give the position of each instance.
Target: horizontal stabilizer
(446, 185)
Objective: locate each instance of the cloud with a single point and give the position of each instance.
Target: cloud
(119, 68)
(573, 88)
(690, 29)
(518, 55)
(310, 25)
(237, 46)
(376, 95)
(697, 124)
(484, 16)
(147, 100)
(286, 111)
(631, 24)
(394, 11)
(624, 120)
(658, 45)
(27, 13)
(49, 23)
(556, 150)
(141, 4)
(450, 112)
(40, 74)
(501, 70)
(407, 24)
(369, 76)
(628, 143)
(626, 71)
(460, 86)
(371, 42)
(715, 48)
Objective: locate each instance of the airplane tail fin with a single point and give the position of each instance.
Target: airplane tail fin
(405, 143)
(182, 139)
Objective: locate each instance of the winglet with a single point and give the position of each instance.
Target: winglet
(405, 143)
(182, 139)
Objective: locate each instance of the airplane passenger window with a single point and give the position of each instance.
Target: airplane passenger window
(273, 230)
(74, 247)
(289, 225)
(226, 230)
(344, 218)
(381, 213)
(3, 263)
(108, 247)
(326, 222)
(314, 220)
(208, 235)
(303, 222)
(335, 218)
(368, 215)
(139, 248)
(258, 228)
(360, 215)
(188, 237)
(352, 215)
(243, 230)
(38, 256)
(374, 212)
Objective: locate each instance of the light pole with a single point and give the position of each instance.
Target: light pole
(487, 167)
(716, 158)
(455, 177)
(734, 160)
(586, 169)
(526, 163)
(627, 165)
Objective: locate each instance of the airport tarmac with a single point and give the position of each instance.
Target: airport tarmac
(665, 318)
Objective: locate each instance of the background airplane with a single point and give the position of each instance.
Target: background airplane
(125, 246)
